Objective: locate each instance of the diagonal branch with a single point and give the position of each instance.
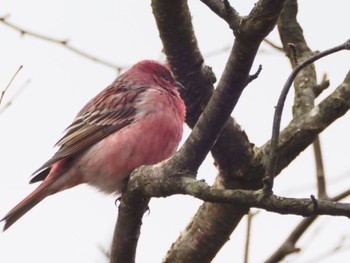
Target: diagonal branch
(14, 96)
(224, 10)
(155, 181)
(196, 147)
(63, 43)
(289, 245)
(9, 84)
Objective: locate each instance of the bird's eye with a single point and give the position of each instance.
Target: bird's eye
(166, 78)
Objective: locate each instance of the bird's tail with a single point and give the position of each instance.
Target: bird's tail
(26, 204)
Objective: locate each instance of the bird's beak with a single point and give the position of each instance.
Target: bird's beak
(179, 86)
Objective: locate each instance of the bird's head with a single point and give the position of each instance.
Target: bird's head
(153, 72)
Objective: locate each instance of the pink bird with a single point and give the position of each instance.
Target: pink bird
(136, 120)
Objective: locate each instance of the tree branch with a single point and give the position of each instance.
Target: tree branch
(305, 84)
(154, 181)
(289, 245)
(9, 84)
(302, 131)
(14, 96)
(271, 168)
(173, 19)
(127, 229)
(320, 174)
(63, 43)
(224, 10)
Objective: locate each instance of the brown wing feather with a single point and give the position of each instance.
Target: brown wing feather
(93, 123)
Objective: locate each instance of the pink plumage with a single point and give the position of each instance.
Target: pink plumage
(136, 120)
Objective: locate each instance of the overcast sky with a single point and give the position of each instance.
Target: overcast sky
(77, 225)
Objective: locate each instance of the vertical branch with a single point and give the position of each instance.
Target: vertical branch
(305, 84)
(320, 174)
(127, 229)
(9, 84)
(247, 241)
(271, 167)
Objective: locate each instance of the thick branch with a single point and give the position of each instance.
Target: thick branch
(153, 181)
(127, 229)
(149, 181)
(174, 23)
(305, 83)
(218, 221)
(247, 42)
(224, 10)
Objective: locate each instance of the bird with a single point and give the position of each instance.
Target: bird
(137, 120)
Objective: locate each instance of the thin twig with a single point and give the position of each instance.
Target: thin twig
(248, 235)
(329, 252)
(320, 174)
(255, 75)
(271, 167)
(10, 101)
(270, 43)
(64, 43)
(318, 89)
(9, 84)
(289, 245)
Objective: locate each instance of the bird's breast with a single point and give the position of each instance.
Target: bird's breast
(151, 138)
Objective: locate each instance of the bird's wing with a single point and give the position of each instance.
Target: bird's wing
(107, 113)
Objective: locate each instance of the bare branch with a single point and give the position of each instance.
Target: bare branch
(247, 241)
(17, 93)
(270, 43)
(289, 245)
(154, 181)
(224, 10)
(322, 86)
(232, 151)
(255, 75)
(271, 170)
(302, 131)
(320, 175)
(127, 229)
(297, 49)
(9, 84)
(63, 43)
(306, 88)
